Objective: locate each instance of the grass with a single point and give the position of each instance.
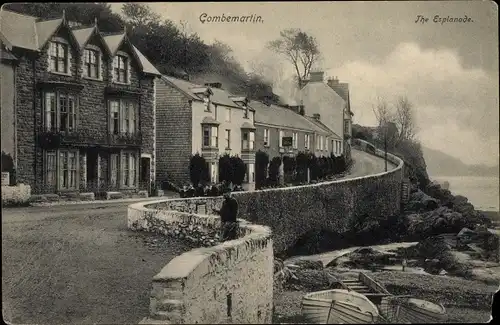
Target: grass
(85, 268)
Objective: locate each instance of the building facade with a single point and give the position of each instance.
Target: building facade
(203, 119)
(84, 107)
(308, 134)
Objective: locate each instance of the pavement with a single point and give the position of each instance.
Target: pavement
(367, 164)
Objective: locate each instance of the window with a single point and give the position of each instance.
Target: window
(123, 116)
(114, 161)
(210, 136)
(120, 69)
(250, 175)
(248, 140)
(129, 169)
(228, 114)
(266, 137)
(346, 126)
(68, 171)
(91, 63)
(295, 140)
(281, 138)
(322, 143)
(60, 111)
(51, 168)
(306, 141)
(58, 56)
(228, 139)
(333, 144)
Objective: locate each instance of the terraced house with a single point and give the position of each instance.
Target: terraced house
(202, 119)
(83, 107)
(308, 133)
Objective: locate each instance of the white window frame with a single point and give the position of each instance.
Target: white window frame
(129, 162)
(227, 136)
(295, 140)
(228, 114)
(248, 140)
(121, 65)
(53, 111)
(250, 173)
(55, 47)
(62, 168)
(306, 141)
(87, 61)
(266, 137)
(213, 139)
(128, 113)
(281, 135)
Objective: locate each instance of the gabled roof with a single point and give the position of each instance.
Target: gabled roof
(45, 30)
(114, 41)
(281, 117)
(19, 30)
(324, 127)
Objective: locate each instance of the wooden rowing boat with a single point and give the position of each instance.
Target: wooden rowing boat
(408, 310)
(366, 286)
(338, 306)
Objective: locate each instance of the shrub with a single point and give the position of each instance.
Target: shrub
(301, 167)
(225, 169)
(274, 170)
(261, 163)
(198, 170)
(8, 166)
(289, 165)
(312, 163)
(239, 170)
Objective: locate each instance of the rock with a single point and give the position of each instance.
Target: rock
(306, 264)
(419, 202)
(364, 257)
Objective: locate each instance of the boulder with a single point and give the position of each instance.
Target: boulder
(361, 258)
(480, 240)
(419, 201)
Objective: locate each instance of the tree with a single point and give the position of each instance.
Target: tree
(405, 120)
(198, 170)
(261, 163)
(239, 170)
(299, 48)
(384, 116)
(138, 14)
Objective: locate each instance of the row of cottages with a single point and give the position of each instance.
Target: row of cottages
(308, 133)
(77, 106)
(203, 119)
(329, 100)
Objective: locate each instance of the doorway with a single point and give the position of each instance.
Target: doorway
(92, 169)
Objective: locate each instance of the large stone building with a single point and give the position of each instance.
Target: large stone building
(79, 114)
(203, 119)
(308, 133)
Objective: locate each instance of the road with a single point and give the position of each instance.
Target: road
(367, 164)
(79, 264)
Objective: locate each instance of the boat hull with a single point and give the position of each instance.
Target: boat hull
(412, 311)
(338, 306)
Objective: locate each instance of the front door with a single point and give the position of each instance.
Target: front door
(145, 179)
(92, 168)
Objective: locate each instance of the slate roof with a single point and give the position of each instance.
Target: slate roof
(322, 126)
(26, 32)
(220, 96)
(283, 117)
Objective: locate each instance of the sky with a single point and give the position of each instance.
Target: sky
(449, 71)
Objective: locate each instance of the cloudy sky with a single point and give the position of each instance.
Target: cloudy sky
(448, 71)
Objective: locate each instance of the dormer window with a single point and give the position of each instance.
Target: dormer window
(58, 53)
(120, 69)
(91, 63)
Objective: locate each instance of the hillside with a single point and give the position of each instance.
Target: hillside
(442, 164)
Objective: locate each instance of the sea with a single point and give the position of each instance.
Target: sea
(482, 192)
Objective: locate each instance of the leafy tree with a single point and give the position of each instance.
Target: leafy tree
(226, 172)
(261, 164)
(198, 170)
(239, 170)
(299, 48)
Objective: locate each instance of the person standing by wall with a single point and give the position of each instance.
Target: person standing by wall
(228, 213)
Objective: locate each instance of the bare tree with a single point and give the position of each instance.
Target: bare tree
(405, 120)
(385, 118)
(299, 48)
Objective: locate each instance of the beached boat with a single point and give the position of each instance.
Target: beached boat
(366, 286)
(408, 310)
(338, 306)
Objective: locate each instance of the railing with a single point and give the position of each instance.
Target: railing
(56, 138)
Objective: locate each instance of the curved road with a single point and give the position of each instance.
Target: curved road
(367, 164)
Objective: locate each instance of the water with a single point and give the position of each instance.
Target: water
(482, 192)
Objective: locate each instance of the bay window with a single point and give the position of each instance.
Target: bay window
(60, 111)
(248, 140)
(58, 57)
(91, 63)
(123, 116)
(129, 169)
(210, 136)
(120, 69)
(61, 169)
(250, 175)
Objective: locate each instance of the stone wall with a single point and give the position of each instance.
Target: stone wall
(293, 211)
(228, 283)
(15, 195)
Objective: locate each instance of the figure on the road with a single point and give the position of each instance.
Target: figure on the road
(228, 213)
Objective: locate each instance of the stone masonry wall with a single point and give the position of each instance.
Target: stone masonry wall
(236, 277)
(173, 134)
(290, 212)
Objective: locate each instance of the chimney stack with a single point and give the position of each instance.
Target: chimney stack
(317, 117)
(316, 76)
